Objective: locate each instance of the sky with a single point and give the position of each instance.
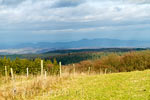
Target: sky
(70, 20)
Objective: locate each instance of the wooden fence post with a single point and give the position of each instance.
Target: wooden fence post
(89, 70)
(60, 68)
(74, 69)
(105, 70)
(41, 67)
(6, 72)
(13, 82)
(12, 74)
(27, 72)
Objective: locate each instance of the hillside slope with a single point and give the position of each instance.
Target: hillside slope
(121, 86)
(116, 86)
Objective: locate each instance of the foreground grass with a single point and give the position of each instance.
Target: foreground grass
(119, 86)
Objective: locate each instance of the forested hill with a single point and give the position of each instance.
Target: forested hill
(73, 55)
(96, 50)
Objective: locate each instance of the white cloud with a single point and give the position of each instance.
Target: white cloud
(54, 16)
(42, 11)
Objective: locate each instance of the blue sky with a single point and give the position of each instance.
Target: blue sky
(69, 20)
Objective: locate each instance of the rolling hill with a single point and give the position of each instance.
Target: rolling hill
(41, 47)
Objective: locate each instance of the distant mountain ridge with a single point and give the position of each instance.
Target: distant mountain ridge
(88, 43)
(42, 47)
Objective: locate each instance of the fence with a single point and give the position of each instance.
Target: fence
(6, 71)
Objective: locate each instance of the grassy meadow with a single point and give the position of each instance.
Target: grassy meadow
(116, 86)
(113, 76)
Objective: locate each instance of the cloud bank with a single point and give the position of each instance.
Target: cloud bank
(66, 20)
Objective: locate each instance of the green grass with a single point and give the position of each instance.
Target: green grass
(119, 86)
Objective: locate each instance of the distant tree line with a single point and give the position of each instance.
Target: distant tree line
(20, 65)
(100, 62)
(77, 57)
(69, 56)
(130, 61)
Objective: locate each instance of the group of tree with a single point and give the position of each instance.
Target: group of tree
(34, 66)
(114, 62)
(70, 58)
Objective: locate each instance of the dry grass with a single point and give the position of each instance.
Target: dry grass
(23, 88)
(116, 86)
